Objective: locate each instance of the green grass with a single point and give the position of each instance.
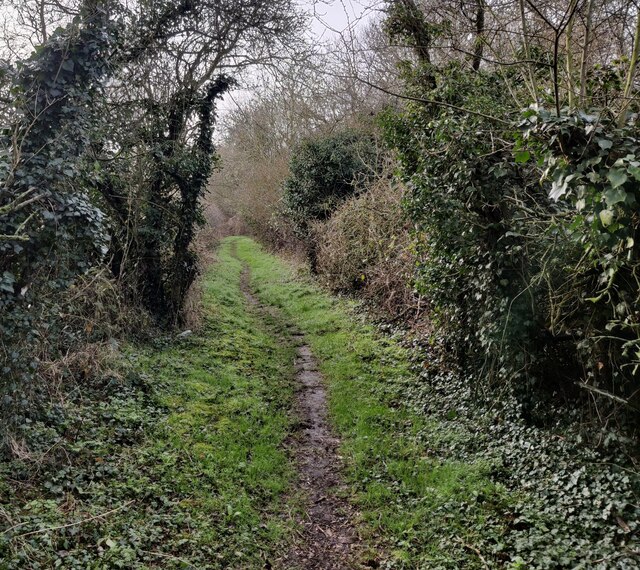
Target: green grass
(189, 469)
(427, 511)
(229, 390)
(194, 475)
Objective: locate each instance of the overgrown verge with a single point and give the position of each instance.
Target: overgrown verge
(575, 486)
(366, 249)
(183, 463)
(525, 218)
(446, 482)
(175, 459)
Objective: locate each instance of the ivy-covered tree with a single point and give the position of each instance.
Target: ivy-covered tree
(106, 150)
(156, 155)
(50, 229)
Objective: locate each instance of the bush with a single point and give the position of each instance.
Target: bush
(323, 173)
(465, 199)
(534, 286)
(365, 247)
(593, 166)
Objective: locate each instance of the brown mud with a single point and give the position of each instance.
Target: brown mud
(327, 538)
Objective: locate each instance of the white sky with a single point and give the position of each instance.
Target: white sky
(331, 17)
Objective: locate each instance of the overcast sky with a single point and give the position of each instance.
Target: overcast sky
(336, 16)
(329, 19)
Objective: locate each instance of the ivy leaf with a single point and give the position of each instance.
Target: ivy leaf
(614, 196)
(522, 156)
(634, 171)
(559, 186)
(604, 144)
(606, 217)
(587, 118)
(617, 177)
(7, 281)
(68, 65)
(558, 189)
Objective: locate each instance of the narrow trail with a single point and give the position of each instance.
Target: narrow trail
(327, 539)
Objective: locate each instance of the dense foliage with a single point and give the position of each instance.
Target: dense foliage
(534, 284)
(150, 248)
(464, 195)
(324, 172)
(52, 231)
(592, 164)
(103, 163)
(365, 248)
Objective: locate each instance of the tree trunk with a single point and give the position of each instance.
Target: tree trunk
(628, 88)
(479, 42)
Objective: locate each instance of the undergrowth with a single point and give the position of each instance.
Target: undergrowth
(175, 455)
(445, 480)
(175, 460)
(365, 248)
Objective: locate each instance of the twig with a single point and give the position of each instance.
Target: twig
(605, 393)
(170, 556)
(429, 101)
(474, 549)
(19, 202)
(92, 518)
(619, 555)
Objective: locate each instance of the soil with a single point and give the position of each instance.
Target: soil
(327, 537)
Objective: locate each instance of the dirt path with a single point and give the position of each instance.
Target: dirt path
(328, 539)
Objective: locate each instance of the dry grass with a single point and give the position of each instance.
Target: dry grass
(83, 364)
(366, 247)
(73, 348)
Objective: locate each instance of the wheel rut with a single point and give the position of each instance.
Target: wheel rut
(327, 537)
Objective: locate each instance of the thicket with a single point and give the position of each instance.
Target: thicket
(524, 217)
(366, 248)
(105, 151)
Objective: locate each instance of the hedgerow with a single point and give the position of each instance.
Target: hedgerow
(525, 230)
(324, 172)
(366, 248)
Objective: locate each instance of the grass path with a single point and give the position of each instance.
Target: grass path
(400, 488)
(326, 533)
(200, 472)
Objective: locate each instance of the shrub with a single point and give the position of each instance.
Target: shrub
(593, 166)
(365, 247)
(323, 173)
(535, 286)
